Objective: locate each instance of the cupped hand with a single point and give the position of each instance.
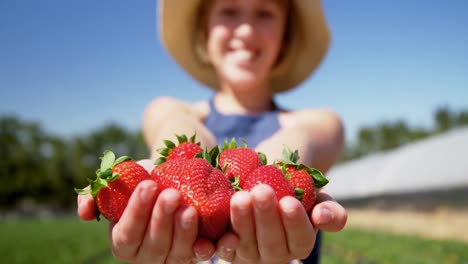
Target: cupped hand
(267, 231)
(154, 228)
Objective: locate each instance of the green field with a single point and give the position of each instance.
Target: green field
(74, 241)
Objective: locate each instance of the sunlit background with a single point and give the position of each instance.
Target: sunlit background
(75, 77)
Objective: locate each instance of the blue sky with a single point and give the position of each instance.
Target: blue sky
(74, 66)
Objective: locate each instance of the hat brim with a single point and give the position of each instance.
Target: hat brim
(309, 43)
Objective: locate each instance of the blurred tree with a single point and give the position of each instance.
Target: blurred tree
(35, 166)
(367, 141)
(22, 169)
(444, 119)
(462, 119)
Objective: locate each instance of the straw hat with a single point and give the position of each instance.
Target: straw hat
(309, 41)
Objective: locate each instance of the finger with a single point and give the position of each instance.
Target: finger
(127, 234)
(271, 238)
(243, 224)
(86, 207)
(185, 233)
(227, 246)
(203, 249)
(300, 233)
(159, 234)
(327, 214)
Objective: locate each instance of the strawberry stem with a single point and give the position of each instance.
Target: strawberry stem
(235, 183)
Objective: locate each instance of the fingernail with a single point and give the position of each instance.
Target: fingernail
(186, 223)
(146, 193)
(225, 252)
(202, 256)
(263, 204)
(242, 210)
(290, 211)
(325, 216)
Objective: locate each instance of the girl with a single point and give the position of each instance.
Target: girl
(246, 51)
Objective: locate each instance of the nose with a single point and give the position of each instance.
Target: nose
(244, 31)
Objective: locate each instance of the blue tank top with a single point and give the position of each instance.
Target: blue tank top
(252, 128)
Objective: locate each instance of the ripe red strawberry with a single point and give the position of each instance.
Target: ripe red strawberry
(304, 180)
(187, 148)
(202, 186)
(115, 182)
(271, 175)
(303, 184)
(238, 162)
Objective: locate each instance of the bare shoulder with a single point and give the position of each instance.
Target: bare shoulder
(322, 119)
(325, 131)
(163, 107)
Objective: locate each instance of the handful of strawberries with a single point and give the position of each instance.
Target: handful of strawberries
(206, 179)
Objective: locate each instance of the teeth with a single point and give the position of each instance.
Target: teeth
(244, 54)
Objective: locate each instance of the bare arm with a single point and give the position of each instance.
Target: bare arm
(165, 117)
(316, 134)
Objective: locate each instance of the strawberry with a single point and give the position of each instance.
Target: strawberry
(303, 184)
(115, 182)
(187, 148)
(203, 187)
(238, 162)
(271, 175)
(304, 180)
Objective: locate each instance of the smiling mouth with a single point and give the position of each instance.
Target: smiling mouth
(243, 57)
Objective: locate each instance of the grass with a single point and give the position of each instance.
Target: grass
(66, 240)
(70, 240)
(359, 246)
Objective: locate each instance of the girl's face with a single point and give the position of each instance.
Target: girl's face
(244, 39)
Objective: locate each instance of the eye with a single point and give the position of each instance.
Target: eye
(263, 13)
(229, 11)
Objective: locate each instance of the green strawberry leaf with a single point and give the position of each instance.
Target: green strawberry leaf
(319, 179)
(299, 193)
(113, 177)
(105, 174)
(82, 191)
(283, 169)
(160, 160)
(229, 145)
(164, 151)
(181, 138)
(169, 144)
(107, 160)
(214, 152)
(97, 185)
(246, 145)
(263, 158)
(290, 157)
(192, 138)
(121, 159)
